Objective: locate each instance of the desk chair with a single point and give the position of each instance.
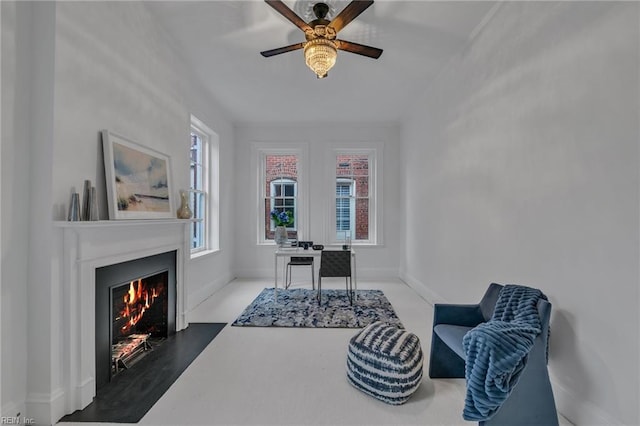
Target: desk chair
(299, 261)
(336, 263)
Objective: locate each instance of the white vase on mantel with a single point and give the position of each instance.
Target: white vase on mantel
(280, 235)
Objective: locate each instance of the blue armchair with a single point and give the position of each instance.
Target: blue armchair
(531, 401)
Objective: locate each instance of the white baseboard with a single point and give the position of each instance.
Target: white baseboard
(377, 274)
(45, 408)
(422, 289)
(83, 395)
(363, 273)
(256, 273)
(11, 409)
(200, 295)
(578, 411)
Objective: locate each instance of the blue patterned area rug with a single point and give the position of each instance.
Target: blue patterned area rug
(299, 308)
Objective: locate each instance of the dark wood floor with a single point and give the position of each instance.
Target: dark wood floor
(128, 397)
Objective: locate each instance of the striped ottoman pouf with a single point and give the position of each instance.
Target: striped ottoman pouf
(385, 362)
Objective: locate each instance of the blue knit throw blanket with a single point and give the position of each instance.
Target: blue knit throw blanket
(497, 350)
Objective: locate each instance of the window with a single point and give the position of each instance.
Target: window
(203, 191)
(280, 191)
(345, 208)
(354, 205)
(284, 199)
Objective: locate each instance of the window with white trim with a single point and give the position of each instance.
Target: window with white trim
(354, 196)
(203, 196)
(279, 183)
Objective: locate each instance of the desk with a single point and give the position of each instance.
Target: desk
(290, 252)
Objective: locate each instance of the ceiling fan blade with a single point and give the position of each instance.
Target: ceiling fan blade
(360, 49)
(284, 10)
(280, 50)
(349, 13)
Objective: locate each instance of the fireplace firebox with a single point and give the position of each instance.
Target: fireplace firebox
(135, 310)
(138, 315)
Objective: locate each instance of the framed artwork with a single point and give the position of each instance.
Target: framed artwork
(138, 180)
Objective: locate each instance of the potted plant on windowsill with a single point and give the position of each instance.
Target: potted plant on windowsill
(281, 219)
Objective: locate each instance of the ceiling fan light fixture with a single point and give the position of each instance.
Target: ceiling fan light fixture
(320, 55)
(321, 47)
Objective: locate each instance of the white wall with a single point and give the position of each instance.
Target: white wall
(27, 47)
(521, 166)
(133, 82)
(253, 260)
(73, 69)
(15, 185)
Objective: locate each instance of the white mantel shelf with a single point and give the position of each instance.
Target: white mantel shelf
(113, 223)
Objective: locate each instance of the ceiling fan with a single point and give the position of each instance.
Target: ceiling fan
(321, 47)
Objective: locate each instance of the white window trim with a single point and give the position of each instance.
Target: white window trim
(211, 158)
(259, 151)
(375, 152)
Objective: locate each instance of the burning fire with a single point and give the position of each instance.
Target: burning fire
(136, 302)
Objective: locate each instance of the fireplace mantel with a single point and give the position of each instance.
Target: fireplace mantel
(90, 245)
(118, 223)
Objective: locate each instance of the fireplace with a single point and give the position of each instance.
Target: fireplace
(135, 311)
(85, 248)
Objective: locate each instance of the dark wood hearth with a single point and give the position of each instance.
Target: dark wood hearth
(131, 393)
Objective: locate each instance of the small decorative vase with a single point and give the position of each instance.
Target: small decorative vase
(74, 208)
(280, 235)
(184, 212)
(85, 214)
(93, 205)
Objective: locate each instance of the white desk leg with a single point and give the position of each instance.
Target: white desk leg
(284, 271)
(355, 278)
(275, 284)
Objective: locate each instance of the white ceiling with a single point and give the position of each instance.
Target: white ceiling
(221, 40)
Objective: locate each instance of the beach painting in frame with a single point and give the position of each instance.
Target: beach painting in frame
(138, 180)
